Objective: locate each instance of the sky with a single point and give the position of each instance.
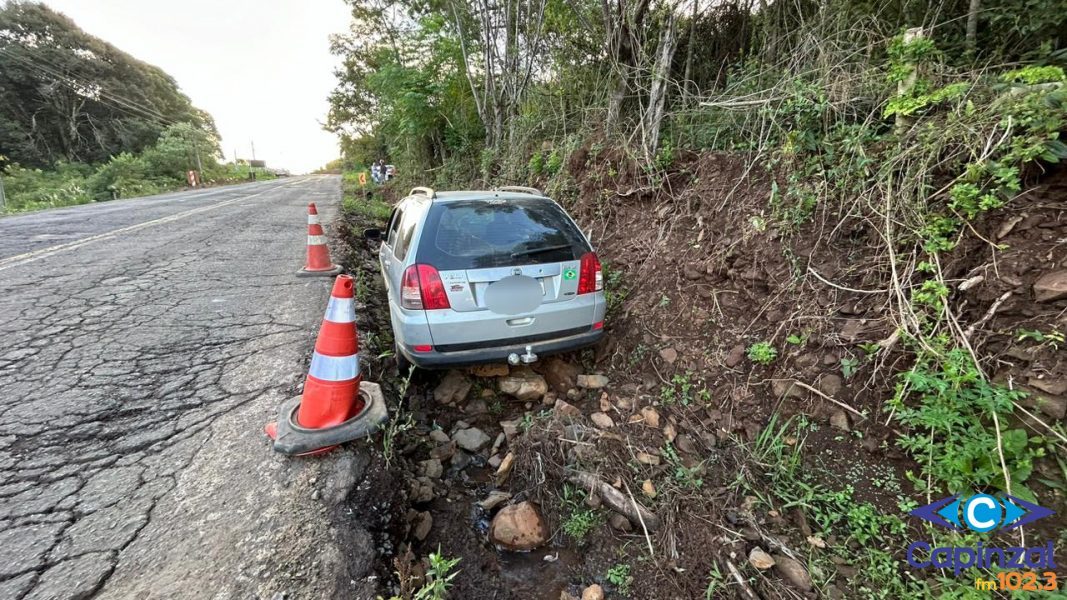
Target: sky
(261, 68)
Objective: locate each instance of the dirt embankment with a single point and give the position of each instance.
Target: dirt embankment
(697, 274)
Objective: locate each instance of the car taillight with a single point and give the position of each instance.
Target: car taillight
(590, 279)
(421, 289)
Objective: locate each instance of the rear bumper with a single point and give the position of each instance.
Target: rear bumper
(436, 360)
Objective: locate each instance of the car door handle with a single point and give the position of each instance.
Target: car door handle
(521, 322)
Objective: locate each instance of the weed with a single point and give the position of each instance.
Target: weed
(848, 367)
(619, 576)
(614, 291)
(554, 162)
(536, 164)
(1053, 339)
(664, 301)
(762, 353)
(638, 355)
(686, 476)
(401, 421)
(948, 405)
(439, 577)
(716, 581)
(581, 520)
(797, 339)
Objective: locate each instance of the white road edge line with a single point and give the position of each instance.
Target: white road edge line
(21, 259)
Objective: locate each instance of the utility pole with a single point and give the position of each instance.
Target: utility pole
(3, 198)
(253, 142)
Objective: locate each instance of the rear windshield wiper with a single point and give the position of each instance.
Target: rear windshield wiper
(539, 250)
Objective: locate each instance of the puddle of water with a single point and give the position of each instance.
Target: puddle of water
(531, 576)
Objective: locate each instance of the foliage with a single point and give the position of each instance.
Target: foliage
(865, 532)
(949, 407)
(581, 520)
(619, 576)
(439, 577)
(762, 353)
(160, 168)
(68, 96)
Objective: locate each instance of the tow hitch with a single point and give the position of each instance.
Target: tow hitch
(526, 359)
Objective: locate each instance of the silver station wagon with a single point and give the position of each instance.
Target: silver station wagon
(488, 276)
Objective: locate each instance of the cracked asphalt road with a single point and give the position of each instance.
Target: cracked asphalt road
(143, 345)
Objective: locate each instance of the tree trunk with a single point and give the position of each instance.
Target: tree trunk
(657, 95)
(686, 81)
(972, 26)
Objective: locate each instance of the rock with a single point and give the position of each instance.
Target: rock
(495, 499)
(593, 500)
(1051, 286)
(620, 523)
(670, 432)
(444, 451)
(560, 374)
(490, 370)
(592, 382)
(504, 469)
(476, 407)
(685, 444)
(471, 440)
(510, 428)
(669, 355)
(648, 459)
(1053, 406)
(793, 572)
(566, 409)
(519, 527)
(693, 271)
(526, 386)
(593, 592)
(839, 420)
(736, 355)
(439, 436)
(648, 488)
(852, 330)
(423, 524)
(625, 403)
(605, 403)
(431, 468)
(1056, 387)
(498, 442)
(830, 384)
(573, 394)
(495, 460)
(787, 388)
(760, 559)
(460, 460)
(602, 420)
(453, 388)
(650, 416)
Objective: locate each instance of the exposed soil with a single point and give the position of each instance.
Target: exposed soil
(697, 273)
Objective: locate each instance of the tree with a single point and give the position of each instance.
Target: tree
(66, 95)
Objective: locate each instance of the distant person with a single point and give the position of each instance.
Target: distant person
(383, 174)
(376, 172)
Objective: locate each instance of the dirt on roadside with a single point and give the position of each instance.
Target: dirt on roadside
(697, 274)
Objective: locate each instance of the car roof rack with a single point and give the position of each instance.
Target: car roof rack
(520, 188)
(425, 191)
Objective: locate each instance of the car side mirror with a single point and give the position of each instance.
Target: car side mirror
(373, 234)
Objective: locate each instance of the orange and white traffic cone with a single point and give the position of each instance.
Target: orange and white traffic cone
(334, 407)
(318, 254)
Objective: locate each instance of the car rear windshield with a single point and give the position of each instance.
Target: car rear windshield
(478, 234)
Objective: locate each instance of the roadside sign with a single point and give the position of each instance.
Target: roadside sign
(362, 178)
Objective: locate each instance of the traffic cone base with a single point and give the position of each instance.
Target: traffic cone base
(293, 440)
